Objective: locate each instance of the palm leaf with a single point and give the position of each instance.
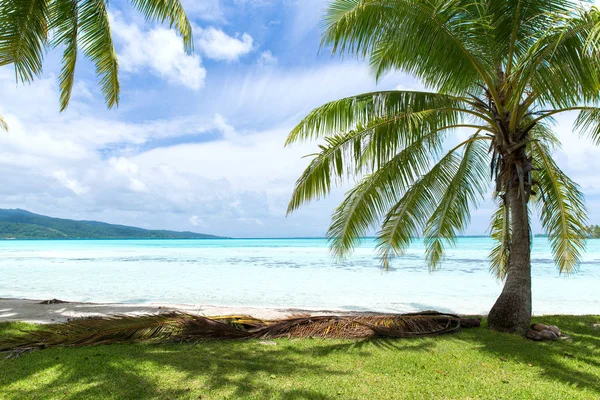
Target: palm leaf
(365, 149)
(349, 113)
(561, 68)
(588, 124)
(466, 188)
(369, 200)
(187, 327)
(516, 24)
(409, 216)
(441, 44)
(562, 210)
(501, 234)
(23, 36)
(171, 11)
(3, 124)
(65, 24)
(96, 42)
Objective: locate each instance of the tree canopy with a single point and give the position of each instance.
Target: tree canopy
(497, 72)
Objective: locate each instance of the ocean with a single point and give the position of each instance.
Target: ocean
(283, 273)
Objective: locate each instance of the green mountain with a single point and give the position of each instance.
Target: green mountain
(21, 224)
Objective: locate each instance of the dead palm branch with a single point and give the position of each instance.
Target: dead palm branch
(176, 326)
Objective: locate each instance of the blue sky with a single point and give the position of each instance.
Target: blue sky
(197, 142)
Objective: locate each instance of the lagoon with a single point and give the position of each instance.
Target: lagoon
(283, 273)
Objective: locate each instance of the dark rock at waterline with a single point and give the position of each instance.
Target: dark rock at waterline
(53, 301)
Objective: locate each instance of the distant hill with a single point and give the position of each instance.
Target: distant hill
(21, 224)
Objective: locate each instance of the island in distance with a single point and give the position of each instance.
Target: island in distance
(22, 224)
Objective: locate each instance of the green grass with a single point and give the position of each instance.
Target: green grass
(473, 364)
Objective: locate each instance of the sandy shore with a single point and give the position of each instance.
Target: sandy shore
(34, 311)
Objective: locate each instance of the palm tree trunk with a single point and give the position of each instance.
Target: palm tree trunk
(512, 310)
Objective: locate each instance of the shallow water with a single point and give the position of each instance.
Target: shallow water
(283, 273)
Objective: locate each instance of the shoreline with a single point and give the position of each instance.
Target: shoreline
(36, 312)
(39, 312)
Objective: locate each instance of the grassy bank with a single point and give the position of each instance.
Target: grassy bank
(472, 364)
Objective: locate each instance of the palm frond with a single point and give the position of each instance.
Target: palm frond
(187, 327)
(441, 44)
(516, 25)
(369, 200)
(3, 124)
(365, 149)
(588, 124)
(65, 24)
(96, 42)
(561, 68)
(562, 209)
(23, 36)
(349, 113)
(171, 11)
(410, 215)
(467, 186)
(501, 234)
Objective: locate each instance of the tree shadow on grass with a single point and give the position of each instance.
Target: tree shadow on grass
(288, 369)
(362, 347)
(168, 371)
(226, 369)
(564, 361)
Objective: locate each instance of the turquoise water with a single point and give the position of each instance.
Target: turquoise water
(282, 273)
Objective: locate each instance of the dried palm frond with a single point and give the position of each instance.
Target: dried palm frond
(178, 326)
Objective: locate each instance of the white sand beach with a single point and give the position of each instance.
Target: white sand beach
(34, 311)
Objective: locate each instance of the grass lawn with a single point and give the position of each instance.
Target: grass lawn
(473, 364)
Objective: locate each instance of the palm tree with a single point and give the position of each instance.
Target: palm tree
(498, 70)
(29, 27)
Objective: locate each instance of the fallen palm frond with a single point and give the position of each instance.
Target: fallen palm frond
(187, 327)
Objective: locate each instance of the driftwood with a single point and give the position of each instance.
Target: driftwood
(178, 326)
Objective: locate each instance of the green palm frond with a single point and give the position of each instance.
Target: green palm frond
(96, 42)
(171, 11)
(467, 186)
(411, 213)
(369, 200)
(23, 36)
(501, 234)
(3, 124)
(348, 113)
(443, 45)
(562, 209)
(65, 24)
(561, 67)
(516, 24)
(588, 124)
(543, 133)
(367, 148)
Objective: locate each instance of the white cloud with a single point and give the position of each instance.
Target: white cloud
(196, 221)
(158, 50)
(70, 184)
(208, 10)
(129, 170)
(217, 45)
(267, 58)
